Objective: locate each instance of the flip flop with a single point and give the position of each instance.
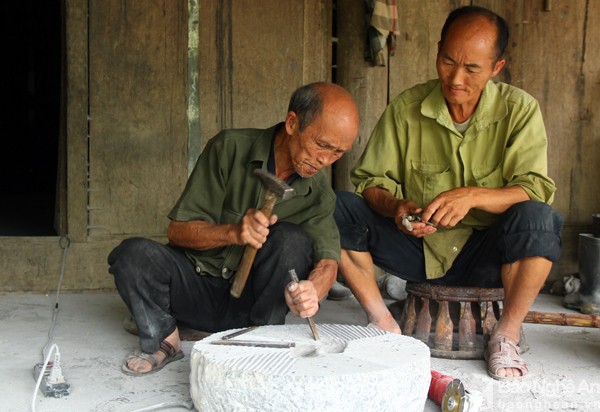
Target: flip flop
(165, 347)
(506, 358)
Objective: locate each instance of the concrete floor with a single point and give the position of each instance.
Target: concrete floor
(564, 361)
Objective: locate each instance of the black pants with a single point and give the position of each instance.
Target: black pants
(527, 229)
(161, 288)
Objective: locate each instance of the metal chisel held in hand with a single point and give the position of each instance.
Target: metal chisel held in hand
(311, 322)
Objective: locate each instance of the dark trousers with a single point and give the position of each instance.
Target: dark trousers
(161, 288)
(527, 229)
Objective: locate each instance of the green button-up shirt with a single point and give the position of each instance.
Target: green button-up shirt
(415, 152)
(222, 187)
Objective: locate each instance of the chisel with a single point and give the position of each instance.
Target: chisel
(311, 322)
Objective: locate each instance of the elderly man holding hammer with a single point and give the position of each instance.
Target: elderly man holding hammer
(222, 216)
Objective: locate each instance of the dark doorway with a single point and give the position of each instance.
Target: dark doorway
(29, 116)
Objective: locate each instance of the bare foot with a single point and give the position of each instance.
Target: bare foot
(387, 323)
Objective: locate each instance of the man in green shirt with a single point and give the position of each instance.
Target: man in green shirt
(188, 281)
(470, 156)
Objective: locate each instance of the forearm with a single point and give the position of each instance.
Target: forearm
(201, 235)
(323, 276)
(381, 201)
(497, 201)
(449, 208)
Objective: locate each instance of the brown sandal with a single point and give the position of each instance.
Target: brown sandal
(171, 355)
(505, 358)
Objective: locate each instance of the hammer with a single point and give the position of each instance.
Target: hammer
(276, 188)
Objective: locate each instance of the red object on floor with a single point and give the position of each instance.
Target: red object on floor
(437, 387)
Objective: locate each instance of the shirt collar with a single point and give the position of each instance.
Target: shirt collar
(262, 146)
(260, 156)
(491, 108)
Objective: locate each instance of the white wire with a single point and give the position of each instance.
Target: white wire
(178, 404)
(39, 379)
(60, 279)
(175, 404)
(46, 357)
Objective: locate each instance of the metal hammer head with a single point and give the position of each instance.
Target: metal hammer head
(281, 189)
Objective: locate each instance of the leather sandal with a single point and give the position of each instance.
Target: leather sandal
(171, 355)
(507, 357)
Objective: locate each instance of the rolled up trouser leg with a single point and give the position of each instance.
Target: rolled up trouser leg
(142, 269)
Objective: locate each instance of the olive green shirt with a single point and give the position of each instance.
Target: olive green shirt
(222, 187)
(416, 153)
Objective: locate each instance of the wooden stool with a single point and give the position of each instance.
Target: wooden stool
(463, 323)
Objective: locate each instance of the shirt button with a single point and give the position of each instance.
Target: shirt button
(198, 269)
(454, 249)
(224, 271)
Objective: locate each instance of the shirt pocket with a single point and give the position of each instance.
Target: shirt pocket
(427, 180)
(489, 177)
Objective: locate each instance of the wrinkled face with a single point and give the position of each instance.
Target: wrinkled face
(323, 142)
(467, 60)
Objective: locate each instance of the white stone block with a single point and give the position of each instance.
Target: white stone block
(351, 368)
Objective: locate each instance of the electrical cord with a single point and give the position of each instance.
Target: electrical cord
(64, 243)
(49, 347)
(41, 376)
(176, 404)
(65, 247)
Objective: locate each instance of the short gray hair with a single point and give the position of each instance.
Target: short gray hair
(307, 103)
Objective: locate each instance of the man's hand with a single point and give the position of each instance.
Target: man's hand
(384, 203)
(302, 298)
(254, 228)
(448, 208)
(417, 229)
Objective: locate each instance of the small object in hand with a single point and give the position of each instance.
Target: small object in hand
(406, 223)
(413, 217)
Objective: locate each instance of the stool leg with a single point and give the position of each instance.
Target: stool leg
(403, 314)
(410, 317)
(489, 319)
(466, 329)
(424, 322)
(443, 328)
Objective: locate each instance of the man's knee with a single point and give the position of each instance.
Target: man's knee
(346, 203)
(288, 246)
(132, 252)
(289, 237)
(534, 216)
(352, 215)
(344, 197)
(532, 229)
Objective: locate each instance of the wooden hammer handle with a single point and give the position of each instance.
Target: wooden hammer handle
(243, 270)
